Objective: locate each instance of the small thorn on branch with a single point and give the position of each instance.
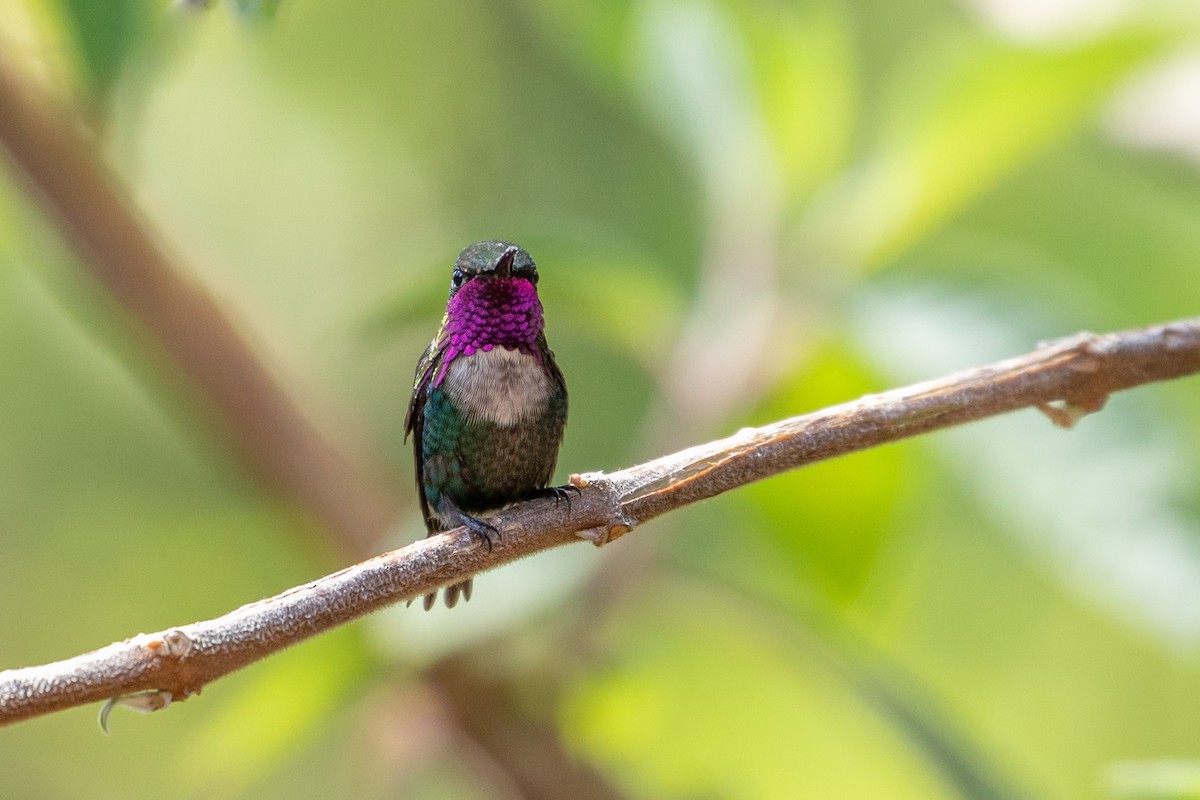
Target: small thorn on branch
(604, 534)
(172, 644)
(1066, 413)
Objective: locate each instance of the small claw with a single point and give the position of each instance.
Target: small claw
(482, 529)
(561, 494)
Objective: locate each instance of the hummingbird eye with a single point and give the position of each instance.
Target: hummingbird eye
(457, 278)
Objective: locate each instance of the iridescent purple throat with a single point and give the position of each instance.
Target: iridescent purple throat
(488, 313)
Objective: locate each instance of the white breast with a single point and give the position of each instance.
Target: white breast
(498, 385)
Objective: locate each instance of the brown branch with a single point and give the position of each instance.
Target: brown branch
(262, 423)
(1078, 373)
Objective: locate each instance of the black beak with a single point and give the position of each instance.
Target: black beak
(504, 265)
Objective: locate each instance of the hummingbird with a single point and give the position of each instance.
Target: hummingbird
(489, 403)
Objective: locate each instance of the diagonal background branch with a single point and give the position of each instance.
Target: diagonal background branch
(262, 423)
(1066, 379)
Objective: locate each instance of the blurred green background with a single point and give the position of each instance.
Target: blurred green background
(741, 211)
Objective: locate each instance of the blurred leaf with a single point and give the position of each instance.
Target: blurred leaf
(1154, 780)
(703, 700)
(257, 10)
(594, 35)
(804, 67)
(964, 114)
(826, 636)
(603, 300)
(108, 33)
(692, 69)
(1092, 243)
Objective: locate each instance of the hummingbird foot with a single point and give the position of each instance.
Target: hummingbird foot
(481, 529)
(561, 494)
(452, 517)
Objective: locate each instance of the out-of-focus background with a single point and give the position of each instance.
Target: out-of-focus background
(741, 210)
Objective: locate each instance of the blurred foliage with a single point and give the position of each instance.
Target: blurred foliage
(742, 211)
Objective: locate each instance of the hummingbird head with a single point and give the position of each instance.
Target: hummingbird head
(490, 260)
(493, 301)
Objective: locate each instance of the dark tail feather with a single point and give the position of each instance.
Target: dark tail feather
(453, 593)
(458, 590)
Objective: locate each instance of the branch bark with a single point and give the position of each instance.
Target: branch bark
(1065, 378)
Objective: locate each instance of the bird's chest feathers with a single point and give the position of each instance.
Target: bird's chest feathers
(500, 386)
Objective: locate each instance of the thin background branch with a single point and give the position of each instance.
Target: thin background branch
(1065, 378)
(285, 450)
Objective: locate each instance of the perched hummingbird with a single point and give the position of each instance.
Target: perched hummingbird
(488, 403)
